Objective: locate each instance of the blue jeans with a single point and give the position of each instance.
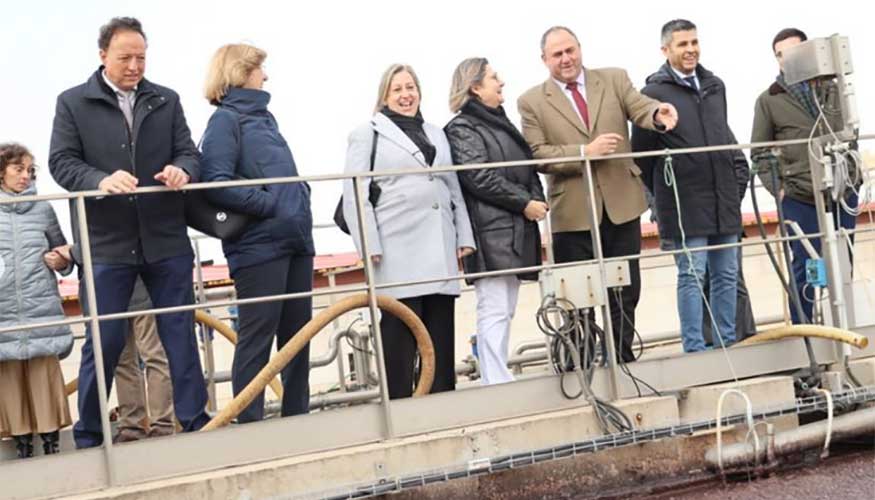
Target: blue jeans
(806, 216)
(169, 284)
(722, 268)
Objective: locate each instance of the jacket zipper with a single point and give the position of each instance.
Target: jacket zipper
(16, 267)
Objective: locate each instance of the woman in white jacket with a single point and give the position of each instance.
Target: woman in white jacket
(417, 229)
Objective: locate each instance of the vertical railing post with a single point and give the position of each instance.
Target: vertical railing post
(372, 302)
(546, 282)
(606, 307)
(97, 346)
(209, 355)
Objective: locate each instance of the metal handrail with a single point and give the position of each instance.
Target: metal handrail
(412, 171)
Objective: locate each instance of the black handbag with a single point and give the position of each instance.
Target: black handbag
(374, 191)
(209, 219)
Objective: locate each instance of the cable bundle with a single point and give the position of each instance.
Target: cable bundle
(573, 346)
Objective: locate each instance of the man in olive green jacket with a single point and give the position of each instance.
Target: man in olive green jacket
(786, 112)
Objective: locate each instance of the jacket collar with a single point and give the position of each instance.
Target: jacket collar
(20, 207)
(96, 88)
(387, 128)
(246, 101)
(666, 74)
(595, 89)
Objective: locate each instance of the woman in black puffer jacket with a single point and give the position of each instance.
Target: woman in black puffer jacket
(504, 205)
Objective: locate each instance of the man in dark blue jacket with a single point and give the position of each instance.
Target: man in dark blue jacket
(698, 200)
(115, 132)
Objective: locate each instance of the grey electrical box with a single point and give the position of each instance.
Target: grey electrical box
(816, 58)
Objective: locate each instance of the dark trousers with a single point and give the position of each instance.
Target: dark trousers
(617, 240)
(806, 216)
(745, 323)
(437, 312)
(169, 284)
(262, 322)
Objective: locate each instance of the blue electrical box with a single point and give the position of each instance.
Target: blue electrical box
(815, 272)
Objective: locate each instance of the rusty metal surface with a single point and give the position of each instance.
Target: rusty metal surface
(847, 477)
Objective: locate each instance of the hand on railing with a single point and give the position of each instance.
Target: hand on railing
(172, 177)
(119, 181)
(375, 259)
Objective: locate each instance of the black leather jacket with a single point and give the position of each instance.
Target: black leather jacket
(497, 197)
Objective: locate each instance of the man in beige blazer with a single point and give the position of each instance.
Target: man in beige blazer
(585, 112)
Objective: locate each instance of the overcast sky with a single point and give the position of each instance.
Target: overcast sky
(325, 58)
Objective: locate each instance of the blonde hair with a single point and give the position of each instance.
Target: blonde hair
(468, 73)
(386, 81)
(230, 67)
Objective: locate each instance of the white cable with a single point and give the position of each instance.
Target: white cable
(829, 415)
(748, 418)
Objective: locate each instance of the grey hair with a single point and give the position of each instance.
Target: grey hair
(468, 73)
(386, 80)
(669, 28)
(554, 29)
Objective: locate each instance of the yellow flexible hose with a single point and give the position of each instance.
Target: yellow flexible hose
(229, 333)
(214, 323)
(314, 326)
(819, 331)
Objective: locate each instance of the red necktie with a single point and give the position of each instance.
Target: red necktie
(580, 102)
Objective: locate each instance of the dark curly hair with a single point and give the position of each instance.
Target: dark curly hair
(12, 153)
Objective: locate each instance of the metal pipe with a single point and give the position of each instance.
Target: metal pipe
(321, 401)
(513, 362)
(530, 345)
(207, 332)
(96, 344)
(796, 440)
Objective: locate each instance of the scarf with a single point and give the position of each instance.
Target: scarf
(802, 93)
(498, 118)
(412, 128)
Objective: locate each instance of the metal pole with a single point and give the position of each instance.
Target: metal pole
(97, 346)
(372, 299)
(209, 355)
(606, 303)
(341, 374)
(827, 227)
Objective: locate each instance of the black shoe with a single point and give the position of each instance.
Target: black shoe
(24, 445)
(50, 442)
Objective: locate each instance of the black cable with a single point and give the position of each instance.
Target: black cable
(563, 342)
(635, 380)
